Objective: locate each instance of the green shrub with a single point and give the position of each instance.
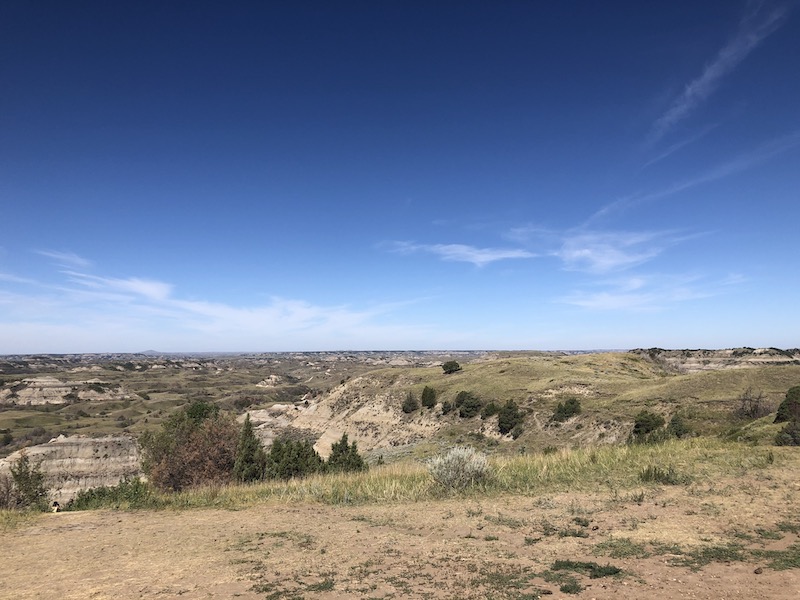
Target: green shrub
(489, 410)
(29, 488)
(510, 418)
(129, 493)
(451, 366)
(344, 457)
(460, 468)
(566, 410)
(592, 569)
(646, 422)
(677, 427)
(654, 474)
(789, 435)
(428, 397)
(289, 458)
(789, 409)
(410, 404)
(468, 404)
(447, 407)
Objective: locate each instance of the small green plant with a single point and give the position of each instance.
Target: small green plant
(410, 404)
(489, 410)
(566, 410)
(700, 557)
(571, 587)
(621, 548)
(576, 533)
(677, 427)
(460, 468)
(592, 569)
(655, 474)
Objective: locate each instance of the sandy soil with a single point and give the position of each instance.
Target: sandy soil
(478, 548)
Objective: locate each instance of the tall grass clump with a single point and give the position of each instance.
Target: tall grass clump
(620, 466)
(460, 468)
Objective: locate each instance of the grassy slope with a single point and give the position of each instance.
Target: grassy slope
(612, 389)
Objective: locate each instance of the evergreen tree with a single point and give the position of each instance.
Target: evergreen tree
(345, 457)
(250, 456)
(428, 397)
(289, 458)
(509, 417)
(410, 404)
(450, 366)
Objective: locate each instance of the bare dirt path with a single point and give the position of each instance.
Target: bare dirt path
(699, 541)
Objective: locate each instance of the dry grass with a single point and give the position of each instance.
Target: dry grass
(617, 469)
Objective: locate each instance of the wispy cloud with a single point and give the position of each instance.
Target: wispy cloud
(754, 28)
(739, 164)
(66, 259)
(598, 251)
(648, 293)
(606, 251)
(681, 144)
(479, 257)
(87, 312)
(147, 288)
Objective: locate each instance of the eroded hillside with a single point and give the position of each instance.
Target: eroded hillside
(320, 396)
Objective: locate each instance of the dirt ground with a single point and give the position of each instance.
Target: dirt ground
(733, 539)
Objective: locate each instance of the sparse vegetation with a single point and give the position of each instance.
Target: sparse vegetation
(410, 404)
(460, 468)
(566, 410)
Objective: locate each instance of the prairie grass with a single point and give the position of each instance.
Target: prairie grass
(11, 519)
(618, 468)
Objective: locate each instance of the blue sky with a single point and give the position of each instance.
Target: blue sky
(274, 176)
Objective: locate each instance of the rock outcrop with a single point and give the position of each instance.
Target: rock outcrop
(75, 463)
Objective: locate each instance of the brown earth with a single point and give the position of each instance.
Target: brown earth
(736, 538)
